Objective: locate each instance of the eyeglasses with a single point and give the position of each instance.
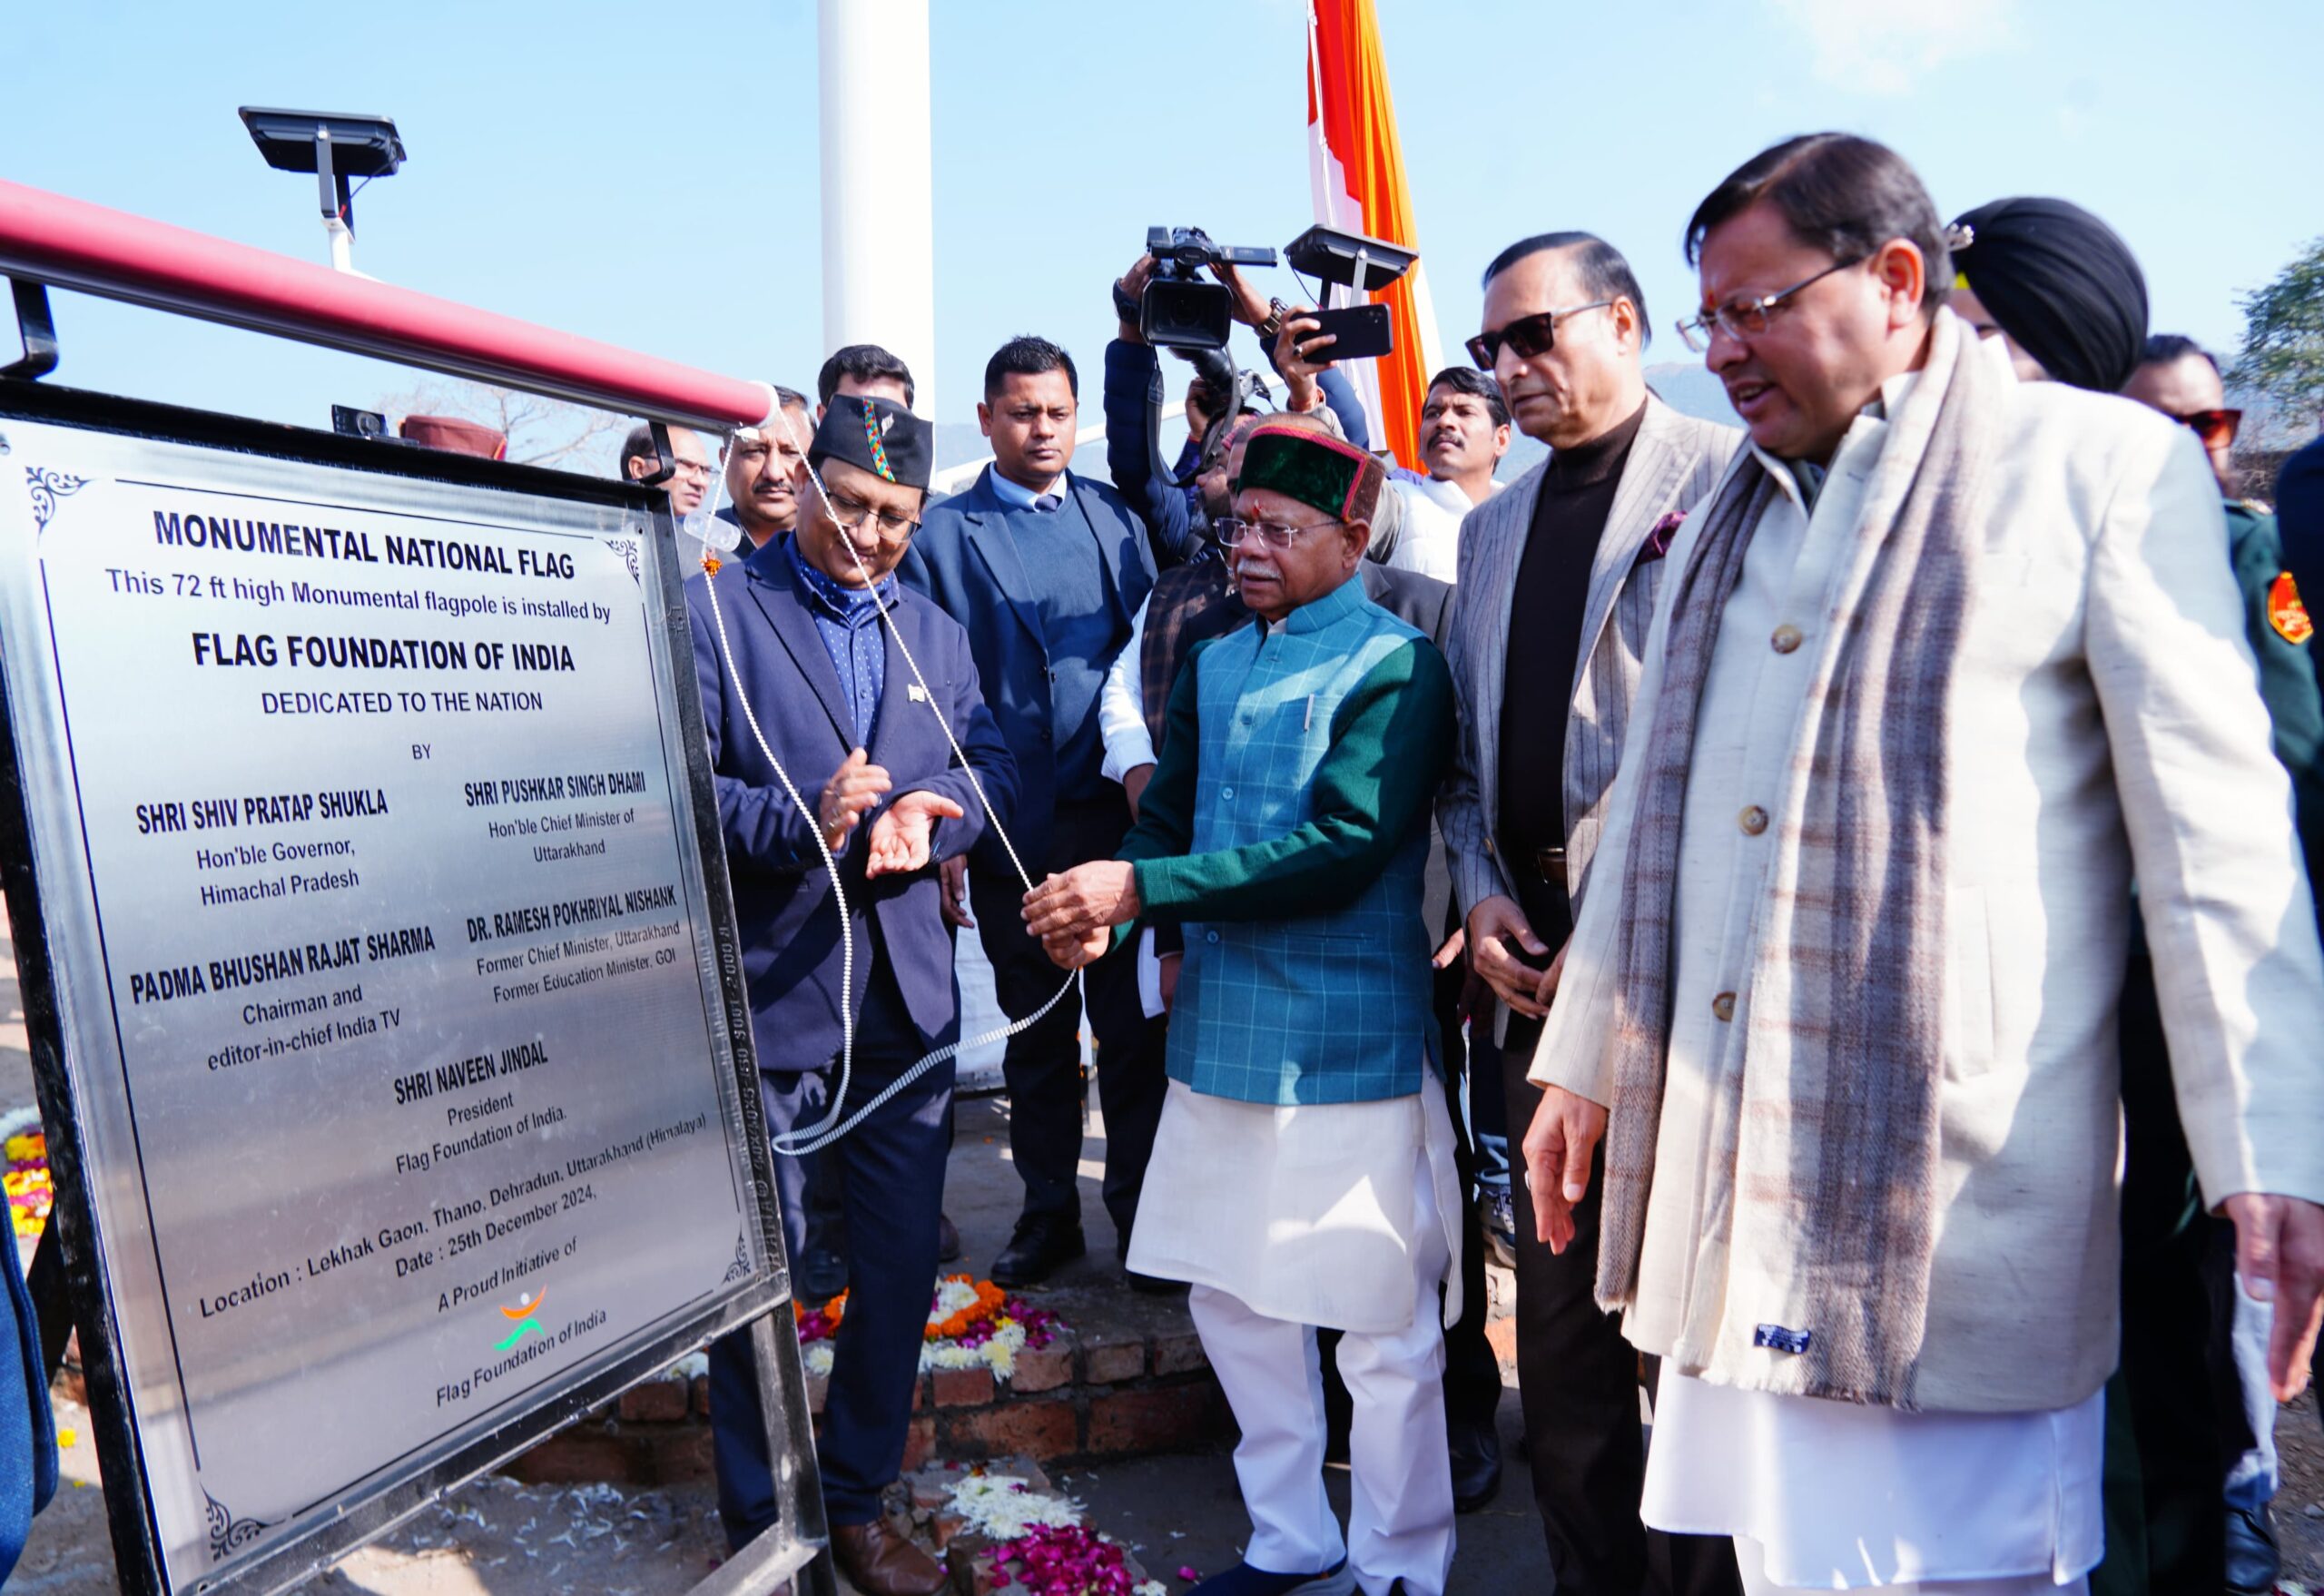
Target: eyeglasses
(851, 513)
(1528, 335)
(1232, 532)
(691, 468)
(1749, 318)
(2213, 426)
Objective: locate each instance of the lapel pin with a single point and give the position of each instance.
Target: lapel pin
(916, 693)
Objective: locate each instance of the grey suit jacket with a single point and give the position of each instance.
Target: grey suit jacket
(1674, 462)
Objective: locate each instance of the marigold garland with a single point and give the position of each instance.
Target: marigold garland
(987, 1300)
(31, 1195)
(971, 1323)
(820, 1324)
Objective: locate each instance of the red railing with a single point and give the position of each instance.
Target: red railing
(71, 243)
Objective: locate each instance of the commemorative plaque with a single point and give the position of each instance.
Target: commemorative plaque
(367, 817)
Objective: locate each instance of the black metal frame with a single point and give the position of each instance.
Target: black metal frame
(797, 1547)
(36, 327)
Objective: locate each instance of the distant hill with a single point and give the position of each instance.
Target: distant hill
(958, 442)
(1687, 387)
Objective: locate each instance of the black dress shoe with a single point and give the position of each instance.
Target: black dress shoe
(1476, 1466)
(2252, 1559)
(1037, 1249)
(1154, 1285)
(948, 1240)
(822, 1275)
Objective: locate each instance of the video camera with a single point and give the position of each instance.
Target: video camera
(1180, 309)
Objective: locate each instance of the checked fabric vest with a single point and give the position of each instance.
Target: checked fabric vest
(1330, 1007)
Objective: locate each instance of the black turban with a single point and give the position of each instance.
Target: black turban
(877, 435)
(2061, 283)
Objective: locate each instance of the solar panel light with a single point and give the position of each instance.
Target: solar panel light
(1348, 259)
(335, 146)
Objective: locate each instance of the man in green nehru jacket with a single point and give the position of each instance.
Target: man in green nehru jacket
(1303, 1174)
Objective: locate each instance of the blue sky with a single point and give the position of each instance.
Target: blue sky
(648, 174)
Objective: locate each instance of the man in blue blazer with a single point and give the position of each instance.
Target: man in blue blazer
(1046, 569)
(858, 730)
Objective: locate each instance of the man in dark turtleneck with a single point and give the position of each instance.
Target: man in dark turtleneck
(1558, 578)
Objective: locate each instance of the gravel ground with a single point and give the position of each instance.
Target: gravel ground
(2299, 1498)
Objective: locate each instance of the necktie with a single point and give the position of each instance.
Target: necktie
(1047, 502)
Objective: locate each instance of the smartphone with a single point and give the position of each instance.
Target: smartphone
(1360, 332)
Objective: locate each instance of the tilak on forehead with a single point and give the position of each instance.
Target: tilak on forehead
(877, 436)
(1317, 470)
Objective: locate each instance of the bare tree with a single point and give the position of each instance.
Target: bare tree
(540, 431)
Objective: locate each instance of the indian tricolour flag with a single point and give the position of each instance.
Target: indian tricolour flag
(1358, 172)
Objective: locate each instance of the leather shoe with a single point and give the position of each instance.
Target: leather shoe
(948, 1240)
(2253, 1561)
(822, 1275)
(1154, 1285)
(1497, 1218)
(1243, 1580)
(880, 1562)
(1039, 1250)
(1476, 1466)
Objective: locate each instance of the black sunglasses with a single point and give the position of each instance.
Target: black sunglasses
(1528, 335)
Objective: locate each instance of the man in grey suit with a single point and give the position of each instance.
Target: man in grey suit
(1558, 579)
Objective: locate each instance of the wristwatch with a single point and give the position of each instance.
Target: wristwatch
(1272, 328)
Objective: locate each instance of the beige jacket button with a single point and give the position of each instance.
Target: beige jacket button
(1753, 820)
(1786, 639)
(1723, 1005)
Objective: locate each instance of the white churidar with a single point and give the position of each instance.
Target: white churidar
(1400, 1517)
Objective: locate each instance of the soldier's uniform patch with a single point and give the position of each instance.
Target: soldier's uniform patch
(2286, 613)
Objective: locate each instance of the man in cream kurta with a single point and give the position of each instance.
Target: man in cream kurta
(1303, 1173)
(2098, 713)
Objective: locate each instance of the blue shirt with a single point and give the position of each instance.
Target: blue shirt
(1018, 496)
(848, 621)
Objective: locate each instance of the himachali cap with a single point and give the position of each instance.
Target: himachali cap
(1319, 470)
(877, 436)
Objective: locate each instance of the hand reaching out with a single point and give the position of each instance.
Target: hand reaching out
(901, 837)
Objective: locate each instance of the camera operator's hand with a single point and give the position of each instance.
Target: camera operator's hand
(1301, 349)
(1128, 288)
(1299, 366)
(1251, 307)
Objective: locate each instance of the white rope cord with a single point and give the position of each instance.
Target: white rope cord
(831, 1128)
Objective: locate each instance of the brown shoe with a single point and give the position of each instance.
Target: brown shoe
(880, 1562)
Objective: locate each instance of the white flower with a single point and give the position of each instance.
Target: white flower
(816, 1355)
(1000, 1508)
(998, 1353)
(951, 1297)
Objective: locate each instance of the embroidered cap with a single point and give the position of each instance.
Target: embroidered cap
(877, 436)
(1335, 477)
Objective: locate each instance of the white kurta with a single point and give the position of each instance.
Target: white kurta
(1839, 1496)
(1303, 1214)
